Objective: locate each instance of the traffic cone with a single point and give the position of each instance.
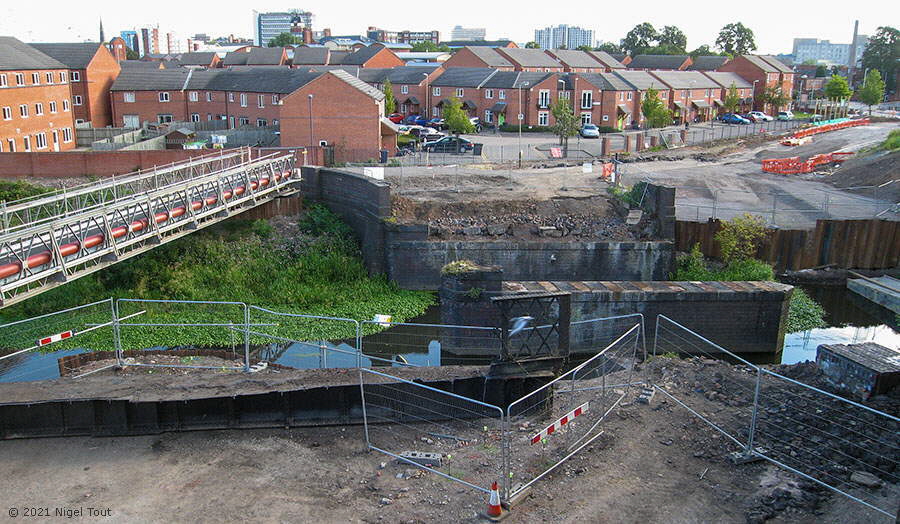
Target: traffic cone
(495, 510)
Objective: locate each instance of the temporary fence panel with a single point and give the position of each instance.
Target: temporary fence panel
(698, 395)
(586, 337)
(554, 422)
(439, 431)
(37, 348)
(828, 439)
(429, 344)
(303, 341)
(214, 328)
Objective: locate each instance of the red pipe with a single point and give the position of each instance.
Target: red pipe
(71, 248)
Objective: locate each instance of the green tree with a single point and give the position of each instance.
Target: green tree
(673, 38)
(703, 50)
(131, 54)
(821, 71)
(390, 103)
(284, 40)
(809, 62)
(585, 48)
(639, 39)
(736, 39)
(456, 119)
(566, 124)
(773, 96)
(656, 114)
(837, 88)
(872, 92)
(532, 45)
(609, 47)
(732, 99)
(882, 53)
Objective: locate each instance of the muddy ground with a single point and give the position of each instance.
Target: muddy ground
(653, 463)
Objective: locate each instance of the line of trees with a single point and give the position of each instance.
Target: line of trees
(643, 39)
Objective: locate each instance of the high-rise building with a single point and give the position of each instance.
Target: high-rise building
(468, 33)
(149, 40)
(131, 40)
(823, 51)
(173, 45)
(563, 36)
(403, 37)
(267, 26)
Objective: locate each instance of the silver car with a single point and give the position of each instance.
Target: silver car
(589, 131)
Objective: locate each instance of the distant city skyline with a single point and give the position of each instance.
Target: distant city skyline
(774, 34)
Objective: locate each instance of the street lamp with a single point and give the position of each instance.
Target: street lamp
(426, 92)
(753, 97)
(520, 116)
(311, 140)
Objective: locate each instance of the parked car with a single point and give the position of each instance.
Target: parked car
(415, 120)
(589, 131)
(395, 118)
(816, 118)
(404, 129)
(759, 116)
(785, 115)
(731, 118)
(437, 123)
(448, 144)
(432, 137)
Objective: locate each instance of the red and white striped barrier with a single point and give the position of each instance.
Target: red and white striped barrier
(54, 338)
(565, 419)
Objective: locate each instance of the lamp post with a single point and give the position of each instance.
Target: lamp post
(753, 97)
(426, 92)
(311, 139)
(520, 116)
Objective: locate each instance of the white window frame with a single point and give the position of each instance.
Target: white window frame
(489, 93)
(36, 80)
(261, 122)
(260, 101)
(243, 99)
(404, 90)
(11, 144)
(40, 141)
(20, 79)
(606, 118)
(435, 91)
(193, 96)
(243, 121)
(3, 82)
(164, 118)
(488, 116)
(460, 92)
(65, 104)
(48, 77)
(501, 94)
(163, 96)
(76, 76)
(77, 100)
(544, 98)
(195, 117)
(587, 99)
(231, 97)
(23, 110)
(128, 97)
(274, 100)
(26, 143)
(67, 134)
(543, 118)
(630, 96)
(7, 113)
(274, 121)
(209, 96)
(435, 112)
(63, 77)
(53, 106)
(586, 117)
(39, 109)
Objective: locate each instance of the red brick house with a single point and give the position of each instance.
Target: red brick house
(35, 100)
(375, 55)
(726, 81)
(410, 85)
(532, 60)
(660, 62)
(605, 99)
(576, 61)
(694, 94)
(476, 56)
(761, 72)
(92, 70)
(641, 81)
(118, 48)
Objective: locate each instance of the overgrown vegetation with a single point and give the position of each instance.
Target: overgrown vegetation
(633, 196)
(892, 142)
(742, 235)
(459, 267)
(11, 190)
(313, 269)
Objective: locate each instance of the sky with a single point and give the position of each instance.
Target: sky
(774, 23)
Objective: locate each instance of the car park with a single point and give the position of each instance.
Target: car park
(589, 131)
(785, 115)
(448, 144)
(731, 118)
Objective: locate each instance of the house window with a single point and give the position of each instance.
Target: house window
(26, 141)
(459, 92)
(501, 94)
(261, 100)
(244, 121)
(585, 118)
(20, 79)
(565, 95)
(195, 117)
(76, 100)
(52, 107)
(40, 141)
(243, 99)
(544, 98)
(66, 104)
(79, 121)
(209, 96)
(274, 99)
(164, 119)
(684, 94)
(435, 91)
(587, 101)
(23, 111)
(7, 113)
(63, 77)
(274, 121)
(231, 97)
(76, 76)
(194, 96)
(630, 95)
(707, 93)
(606, 118)
(664, 95)
(488, 116)
(209, 117)
(11, 143)
(39, 109)
(404, 90)
(435, 111)
(261, 122)
(67, 134)
(35, 78)
(128, 97)
(489, 93)
(163, 96)
(49, 77)
(3, 80)
(543, 118)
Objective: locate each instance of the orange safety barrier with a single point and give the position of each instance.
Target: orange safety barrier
(794, 166)
(830, 127)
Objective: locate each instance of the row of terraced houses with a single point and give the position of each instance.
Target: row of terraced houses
(316, 96)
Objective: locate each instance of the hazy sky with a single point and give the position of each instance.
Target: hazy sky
(775, 23)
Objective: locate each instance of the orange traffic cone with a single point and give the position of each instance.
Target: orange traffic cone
(495, 510)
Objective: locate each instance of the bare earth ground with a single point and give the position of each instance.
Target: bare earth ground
(652, 463)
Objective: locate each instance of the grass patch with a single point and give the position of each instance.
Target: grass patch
(892, 143)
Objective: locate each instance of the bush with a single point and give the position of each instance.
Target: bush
(740, 237)
(458, 267)
(15, 190)
(804, 313)
(633, 196)
(514, 128)
(892, 143)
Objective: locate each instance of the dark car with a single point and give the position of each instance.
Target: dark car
(732, 118)
(448, 144)
(415, 120)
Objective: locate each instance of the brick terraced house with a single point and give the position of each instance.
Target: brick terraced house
(693, 94)
(763, 71)
(35, 100)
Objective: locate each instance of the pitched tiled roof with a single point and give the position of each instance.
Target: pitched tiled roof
(464, 76)
(530, 57)
(607, 59)
(490, 56)
(515, 79)
(685, 79)
(198, 58)
(265, 56)
(337, 57)
(15, 54)
(657, 61)
(760, 63)
(362, 55)
(476, 43)
(358, 84)
(142, 79)
(274, 80)
(576, 58)
(606, 81)
(139, 64)
(641, 80)
(726, 79)
(707, 63)
(310, 56)
(74, 55)
(776, 63)
(410, 74)
(235, 58)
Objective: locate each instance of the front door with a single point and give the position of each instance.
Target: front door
(56, 141)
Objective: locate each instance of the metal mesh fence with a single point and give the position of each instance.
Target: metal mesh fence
(429, 344)
(555, 421)
(450, 435)
(589, 336)
(30, 349)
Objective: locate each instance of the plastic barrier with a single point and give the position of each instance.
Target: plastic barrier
(794, 166)
(830, 125)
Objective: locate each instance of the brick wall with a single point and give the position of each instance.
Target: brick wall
(30, 94)
(99, 77)
(88, 163)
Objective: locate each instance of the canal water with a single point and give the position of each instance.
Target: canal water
(850, 319)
